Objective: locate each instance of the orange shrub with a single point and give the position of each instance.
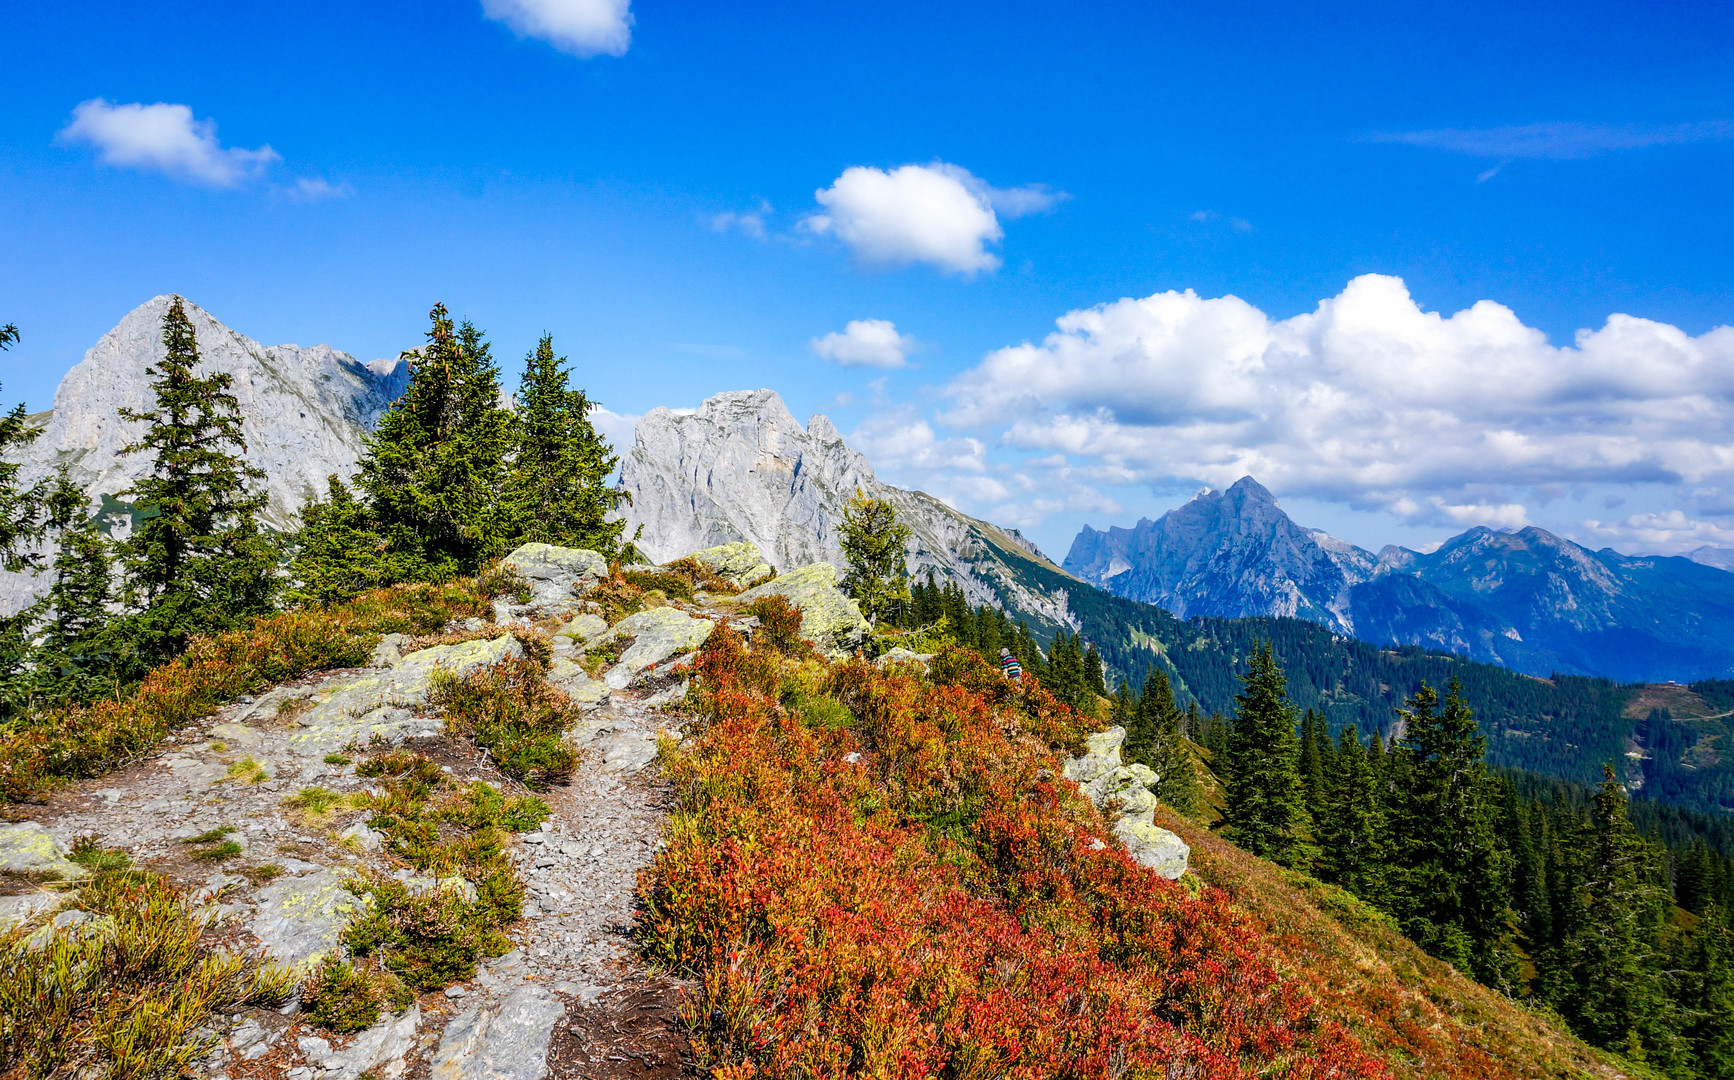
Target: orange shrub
(919, 895)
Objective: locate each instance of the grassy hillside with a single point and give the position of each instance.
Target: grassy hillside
(878, 873)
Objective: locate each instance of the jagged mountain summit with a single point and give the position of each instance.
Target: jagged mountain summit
(743, 468)
(1529, 600)
(304, 412)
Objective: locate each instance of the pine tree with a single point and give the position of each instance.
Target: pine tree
(1351, 829)
(1452, 879)
(874, 543)
(196, 561)
(338, 553)
(1314, 743)
(557, 489)
(72, 654)
(434, 467)
(1608, 984)
(1266, 807)
(22, 524)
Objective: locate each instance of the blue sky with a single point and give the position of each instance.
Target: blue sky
(655, 205)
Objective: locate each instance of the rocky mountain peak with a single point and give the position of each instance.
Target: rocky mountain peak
(304, 413)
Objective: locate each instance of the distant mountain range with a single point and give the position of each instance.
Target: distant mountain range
(1528, 600)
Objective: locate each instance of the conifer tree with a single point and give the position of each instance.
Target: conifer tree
(557, 488)
(434, 467)
(196, 561)
(1608, 978)
(339, 553)
(22, 521)
(1266, 806)
(1315, 744)
(72, 653)
(1153, 738)
(1351, 829)
(874, 543)
(1452, 881)
(1706, 1000)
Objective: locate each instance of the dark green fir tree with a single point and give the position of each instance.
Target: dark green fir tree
(1153, 738)
(1452, 877)
(196, 561)
(72, 652)
(1351, 828)
(1314, 760)
(557, 487)
(22, 524)
(1266, 811)
(338, 551)
(434, 467)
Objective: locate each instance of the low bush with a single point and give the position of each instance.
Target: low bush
(345, 996)
(779, 625)
(513, 713)
(55, 745)
(906, 889)
(134, 999)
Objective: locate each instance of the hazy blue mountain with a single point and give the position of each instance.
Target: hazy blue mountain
(1529, 600)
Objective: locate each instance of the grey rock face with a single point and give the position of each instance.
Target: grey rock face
(1127, 790)
(504, 1040)
(657, 633)
(304, 412)
(381, 1051)
(743, 469)
(301, 918)
(829, 618)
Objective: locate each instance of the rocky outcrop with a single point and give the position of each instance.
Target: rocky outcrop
(741, 562)
(556, 574)
(656, 634)
(742, 469)
(27, 849)
(829, 618)
(1125, 792)
(500, 1040)
(304, 412)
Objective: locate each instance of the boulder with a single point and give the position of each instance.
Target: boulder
(300, 919)
(557, 574)
(24, 908)
(503, 1040)
(741, 562)
(893, 657)
(829, 619)
(28, 848)
(385, 702)
(381, 1051)
(566, 676)
(657, 633)
(1126, 791)
(582, 628)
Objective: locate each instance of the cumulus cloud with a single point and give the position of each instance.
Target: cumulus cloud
(865, 343)
(900, 440)
(938, 214)
(617, 428)
(583, 28)
(164, 138)
(1368, 401)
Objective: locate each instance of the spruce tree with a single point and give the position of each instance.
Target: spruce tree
(1451, 884)
(72, 651)
(434, 467)
(1351, 829)
(1315, 744)
(1706, 1000)
(557, 487)
(339, 553)
(196, 561)
(1609, 980)
(1266, 806)
(874, 544)
(1153, 738)
(22, 524)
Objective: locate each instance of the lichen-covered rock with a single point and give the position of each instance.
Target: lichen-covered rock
(301, 918)
(657, 633)
(1127, 791)
(566, 676)
(28, 848)
(1153, 846)
(583, 627)
(741, 562)
(237, 736)
(829, 619)
(385, 702)
(557, 574)
(893, 657)
(503, 1040)
(25, 907)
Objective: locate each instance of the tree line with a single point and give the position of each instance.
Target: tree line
(451, 478)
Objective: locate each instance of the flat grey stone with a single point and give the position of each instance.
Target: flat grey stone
(503, 1040)
(28, 848)
(657, 633)
(301, 919)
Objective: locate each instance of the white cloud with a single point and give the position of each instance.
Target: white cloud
(583, 28)
(1558, 141)
(615, 427)
(899, 440)
(938, 214)
(1368, 401)
(865, 343)
(164, 138)
(750, 222)
(310, 189)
